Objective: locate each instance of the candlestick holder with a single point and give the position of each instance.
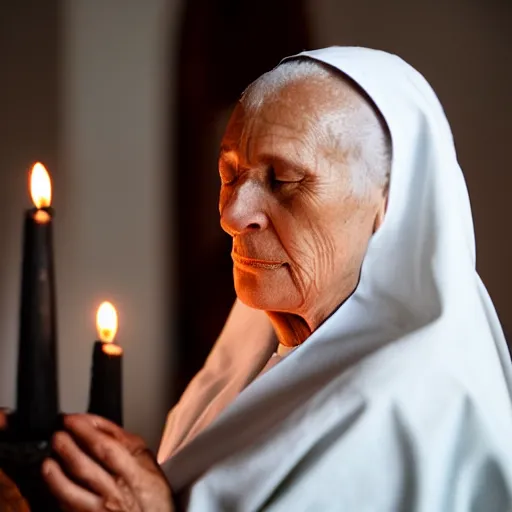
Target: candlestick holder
(21, 460)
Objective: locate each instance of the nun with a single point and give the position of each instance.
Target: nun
(363, 366)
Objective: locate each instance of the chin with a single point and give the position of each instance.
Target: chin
(264, 290)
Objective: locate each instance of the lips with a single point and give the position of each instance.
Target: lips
(255, 263)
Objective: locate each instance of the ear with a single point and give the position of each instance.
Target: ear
(381, 213)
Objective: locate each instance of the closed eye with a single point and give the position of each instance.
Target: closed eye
(280, 179)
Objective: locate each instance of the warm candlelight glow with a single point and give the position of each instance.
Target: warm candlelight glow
(106, 322)
(40, 186)
(112, 349)
(41, 217)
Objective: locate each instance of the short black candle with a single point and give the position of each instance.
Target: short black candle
(106, 398)
(106, 384)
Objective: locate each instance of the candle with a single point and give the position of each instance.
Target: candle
(37, 392)
(105, 397)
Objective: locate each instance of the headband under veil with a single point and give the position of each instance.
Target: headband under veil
(419, 298)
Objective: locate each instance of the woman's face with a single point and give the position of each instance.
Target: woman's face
(299, 232)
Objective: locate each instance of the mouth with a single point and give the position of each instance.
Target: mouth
(254, 263)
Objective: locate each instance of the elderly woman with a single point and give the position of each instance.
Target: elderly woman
(363, 367)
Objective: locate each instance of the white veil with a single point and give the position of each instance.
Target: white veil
(419, 319)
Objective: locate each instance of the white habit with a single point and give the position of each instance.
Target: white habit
(401, 400)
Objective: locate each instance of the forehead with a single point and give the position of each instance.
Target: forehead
(293, 120)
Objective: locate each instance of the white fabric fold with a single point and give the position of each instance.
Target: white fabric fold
(401, 400)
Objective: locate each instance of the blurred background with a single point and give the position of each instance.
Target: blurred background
(125, 102)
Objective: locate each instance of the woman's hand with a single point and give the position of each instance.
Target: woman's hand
(104, 468)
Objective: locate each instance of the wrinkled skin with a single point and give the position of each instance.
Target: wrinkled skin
(299, 231)
(104, 468)
(101, 468)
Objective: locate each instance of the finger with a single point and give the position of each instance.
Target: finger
(103, 424)
(70, 495)
(136, 465)
(131, 442)
(108, 450)
(83, 468)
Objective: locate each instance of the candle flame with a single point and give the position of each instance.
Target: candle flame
(40, 186)
(106, 322)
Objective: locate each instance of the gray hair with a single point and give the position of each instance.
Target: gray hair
(369, 154)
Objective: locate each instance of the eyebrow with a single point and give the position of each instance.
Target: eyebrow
(229, 155)
(286, 163)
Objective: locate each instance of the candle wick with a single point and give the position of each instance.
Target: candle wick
(41, 217)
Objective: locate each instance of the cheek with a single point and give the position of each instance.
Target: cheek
(351, 239)
(324, 240)
(307, 237)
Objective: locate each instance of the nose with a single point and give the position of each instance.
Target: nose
(242, 209)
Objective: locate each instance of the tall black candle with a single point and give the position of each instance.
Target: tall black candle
(106, 397)
(37, 392)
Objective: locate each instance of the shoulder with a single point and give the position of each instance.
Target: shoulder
(418, 442)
